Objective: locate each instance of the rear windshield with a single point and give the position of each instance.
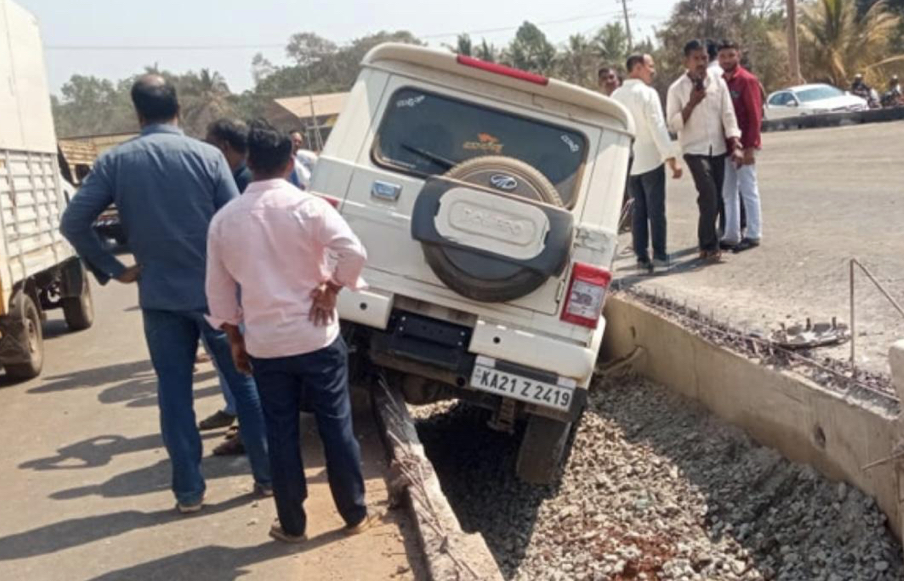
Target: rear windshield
(425, 134)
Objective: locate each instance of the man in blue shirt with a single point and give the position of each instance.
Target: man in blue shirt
(167, 188)
(231, 137)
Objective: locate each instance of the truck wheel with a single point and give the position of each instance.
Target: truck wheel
(543, 450)
(31, 338)
(79, 311)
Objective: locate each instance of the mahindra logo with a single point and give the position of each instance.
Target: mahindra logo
(503, 182)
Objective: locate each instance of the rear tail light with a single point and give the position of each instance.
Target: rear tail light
(586, 294)
(502, 70)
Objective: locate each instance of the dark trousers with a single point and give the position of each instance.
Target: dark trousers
(709, 173)
(319, 380)
(648, 191)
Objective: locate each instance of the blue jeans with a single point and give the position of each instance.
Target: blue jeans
(319, 380)
(224, 387)
(172, 338)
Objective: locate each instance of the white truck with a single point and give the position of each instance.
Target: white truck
(38, 269)
(488, 199)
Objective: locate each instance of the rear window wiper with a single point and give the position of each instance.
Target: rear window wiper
(437, 159)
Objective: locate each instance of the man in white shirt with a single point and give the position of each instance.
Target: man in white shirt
(653, 147)
(700, 111)
(305, 161)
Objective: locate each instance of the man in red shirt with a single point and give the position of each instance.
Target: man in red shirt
(744, 88)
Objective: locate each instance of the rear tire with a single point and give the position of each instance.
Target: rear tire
(79, 311)
(544, 450)
(32, 340)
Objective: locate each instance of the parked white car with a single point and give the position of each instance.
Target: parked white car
(813, 99)
(488, 199)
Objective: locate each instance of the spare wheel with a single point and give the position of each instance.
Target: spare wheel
(479, 275)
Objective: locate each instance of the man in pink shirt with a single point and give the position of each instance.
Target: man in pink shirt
(290, 253)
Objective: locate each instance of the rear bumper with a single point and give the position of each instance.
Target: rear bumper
(517, 346)
(560, 357)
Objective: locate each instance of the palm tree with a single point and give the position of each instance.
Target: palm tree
(204, 99)
(611, 43)
(578, 62)
(836, 43)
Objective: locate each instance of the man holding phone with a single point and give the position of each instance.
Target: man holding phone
(700, 111)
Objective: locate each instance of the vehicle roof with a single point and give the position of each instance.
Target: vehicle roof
(797, 88)
(554, 89)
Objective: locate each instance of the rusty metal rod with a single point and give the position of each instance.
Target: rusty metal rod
(853, 324)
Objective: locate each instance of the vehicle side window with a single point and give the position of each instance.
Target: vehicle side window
(426, 134)
(780, 99)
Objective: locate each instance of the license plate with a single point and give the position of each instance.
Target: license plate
(522, 388)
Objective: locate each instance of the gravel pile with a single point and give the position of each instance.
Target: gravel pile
(656, 488)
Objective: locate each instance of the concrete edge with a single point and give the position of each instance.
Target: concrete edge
(834, 433)
(834, 119)
(449, 553)
(896, 362)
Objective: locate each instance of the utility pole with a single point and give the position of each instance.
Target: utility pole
(793, 51)
(624, 4)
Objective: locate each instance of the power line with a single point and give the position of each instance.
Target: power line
(507, 28)
(186, 47)
(206, 47)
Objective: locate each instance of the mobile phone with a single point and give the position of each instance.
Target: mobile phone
(698, 84)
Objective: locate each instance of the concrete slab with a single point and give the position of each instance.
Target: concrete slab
(86, 481)
(825, 200)
(896, 362)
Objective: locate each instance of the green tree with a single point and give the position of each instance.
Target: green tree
(836, 42)
(577, 64)
(307, 48)
(486, 52)
(204, 97)
(89, 105)
(531, 51)
(611, 44)
(463, 45)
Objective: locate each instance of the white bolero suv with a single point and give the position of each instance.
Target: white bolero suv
(488, 200)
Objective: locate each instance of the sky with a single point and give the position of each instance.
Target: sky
(117, 38)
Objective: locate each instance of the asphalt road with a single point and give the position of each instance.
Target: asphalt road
(829, 195)
(85, 478)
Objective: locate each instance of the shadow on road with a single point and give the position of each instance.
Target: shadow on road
(215, 563)
(99, 451)
(156, 478)
(81, 531)
(97, 377)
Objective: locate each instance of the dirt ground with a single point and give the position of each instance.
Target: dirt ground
(828, 195)
(85, 479)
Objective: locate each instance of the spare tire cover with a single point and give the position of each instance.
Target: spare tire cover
(475, 275)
